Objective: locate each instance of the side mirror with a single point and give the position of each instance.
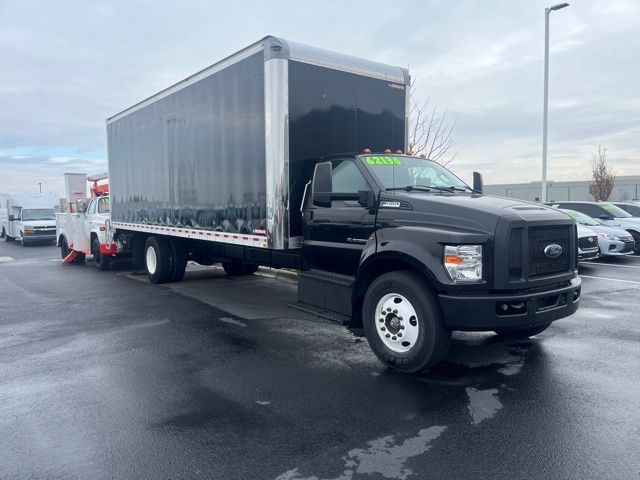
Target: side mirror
(321, 185)
(12, 218)
(366, 198)
(605, 217)
(478, 184)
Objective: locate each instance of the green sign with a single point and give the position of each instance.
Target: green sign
(383, 160)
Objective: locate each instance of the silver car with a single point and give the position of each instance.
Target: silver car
(607, 214)
(612, 242)
(632, 208)
(588, 248)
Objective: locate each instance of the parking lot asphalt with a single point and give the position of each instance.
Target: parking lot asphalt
(103, 375)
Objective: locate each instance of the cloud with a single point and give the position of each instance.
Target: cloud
(67, 66)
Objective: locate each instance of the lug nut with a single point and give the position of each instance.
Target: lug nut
(388, 335)
(401, 327)
(393, 338)
(382, 329)
(382, 320)
(399, 334)
(395, 311)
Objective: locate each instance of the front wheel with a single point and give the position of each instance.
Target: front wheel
(523, 332)
(157, 260)
(403, 324)
(636, 238)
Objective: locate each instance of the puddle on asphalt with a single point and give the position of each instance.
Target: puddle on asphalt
(385, 456)
(483, 404)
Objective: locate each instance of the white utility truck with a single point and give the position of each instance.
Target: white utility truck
(28, 217)
(84, 226)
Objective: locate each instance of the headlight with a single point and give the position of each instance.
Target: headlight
(463, 262)
(610, 237)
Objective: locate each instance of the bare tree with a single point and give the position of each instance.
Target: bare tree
(430, 134)
(603, 177)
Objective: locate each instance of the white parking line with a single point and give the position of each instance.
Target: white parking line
(610, 279)
(612, 264)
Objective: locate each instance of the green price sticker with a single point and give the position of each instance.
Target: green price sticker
(375, 160)
(607, 206)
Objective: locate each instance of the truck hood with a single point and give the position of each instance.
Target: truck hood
(474, 213)
(38, 223)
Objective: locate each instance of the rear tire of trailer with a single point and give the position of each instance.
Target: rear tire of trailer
(523, 332)
(101, 261)
(411, 344)
(157, 260)
(178, 260)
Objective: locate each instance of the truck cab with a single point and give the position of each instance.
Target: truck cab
(418, 250)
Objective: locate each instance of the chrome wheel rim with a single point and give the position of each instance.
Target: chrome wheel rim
(397, 322)
(152, 262)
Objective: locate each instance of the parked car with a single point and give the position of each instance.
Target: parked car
(607, 214)
(612, 242)
(632, 208)
(588, 248)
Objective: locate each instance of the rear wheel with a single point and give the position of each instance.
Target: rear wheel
(178, 260)
(64, 248)
(3, 234)
(101, 261)
(157, 260)
(403, 324)
(8, 238)
(523, 332)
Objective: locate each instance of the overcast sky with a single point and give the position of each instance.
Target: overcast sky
(66, 66)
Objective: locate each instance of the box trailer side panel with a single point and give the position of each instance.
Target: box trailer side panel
(194, 159)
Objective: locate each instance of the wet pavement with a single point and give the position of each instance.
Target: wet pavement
(103, 375)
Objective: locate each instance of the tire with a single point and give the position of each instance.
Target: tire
(250, 268)
(64, 248)
(102, 262)
(8, 238)
(636, 238)
(3, 234)
(178, 260)
(157, 260)
(523, 332)
(80, 259)
(425, 340)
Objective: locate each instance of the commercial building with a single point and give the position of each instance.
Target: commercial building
(624, 188)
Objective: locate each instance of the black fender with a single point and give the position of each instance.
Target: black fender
(417, 248)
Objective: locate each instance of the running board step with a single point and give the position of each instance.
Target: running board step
(321, 312)
(325, 294)
(71, 257)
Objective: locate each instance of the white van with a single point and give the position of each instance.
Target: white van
(28, 217)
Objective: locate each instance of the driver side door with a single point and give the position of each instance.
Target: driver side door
(335, 236)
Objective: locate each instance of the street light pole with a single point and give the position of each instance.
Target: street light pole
(545, 115)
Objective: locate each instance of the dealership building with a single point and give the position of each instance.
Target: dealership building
(624, 188)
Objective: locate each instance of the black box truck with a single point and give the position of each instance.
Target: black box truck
(281, 155)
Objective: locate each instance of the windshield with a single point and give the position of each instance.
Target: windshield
(617, 212)
(31, 214)
(398, 171)
(581, 218)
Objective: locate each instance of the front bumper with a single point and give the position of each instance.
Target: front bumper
(39, 237)
(588, 254)
(483, 312)
(616, 248)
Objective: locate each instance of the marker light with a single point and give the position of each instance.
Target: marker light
(399, 152)
(387, 150)
(367, 150)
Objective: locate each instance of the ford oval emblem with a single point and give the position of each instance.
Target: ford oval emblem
(553, 250)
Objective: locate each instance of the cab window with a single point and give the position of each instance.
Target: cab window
(103, 205)
(346, 178)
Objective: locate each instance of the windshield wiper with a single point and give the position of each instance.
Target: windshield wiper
(408, 188)
(458, 188)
